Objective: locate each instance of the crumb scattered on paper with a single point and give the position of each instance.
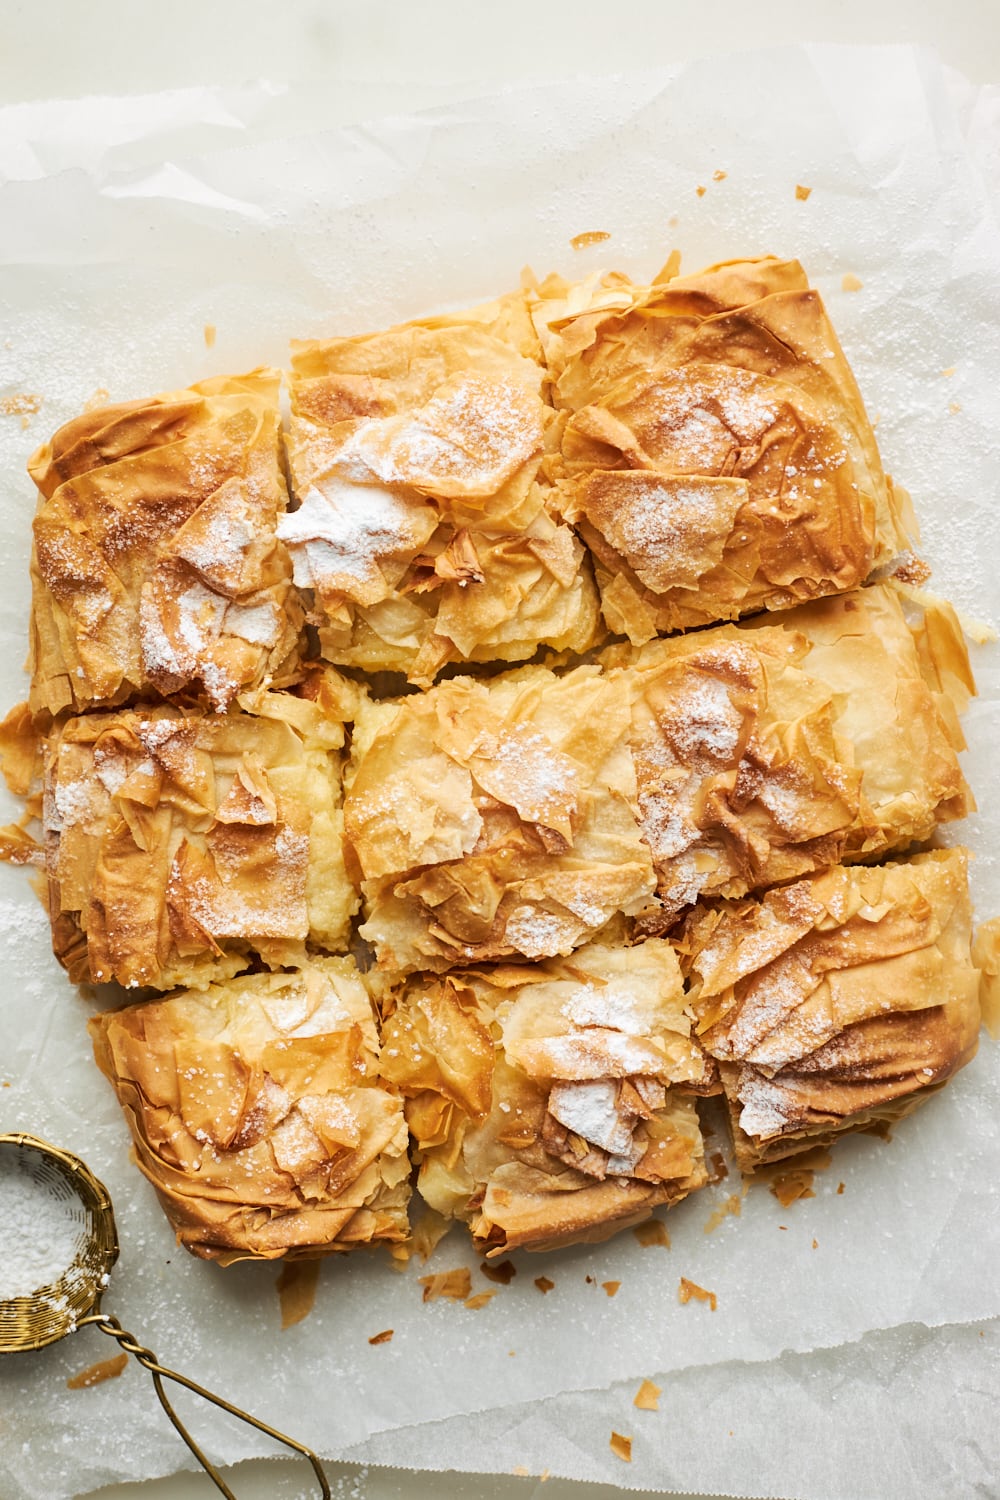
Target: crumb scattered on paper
(788, 1187)
(296, 1284)
(954, 406)
(815, 1244)
(719, 175)
(717, 1168)
(209, 335)
(802, 193)
(98, 398)
(479, 1300)
(840, 1187)
(456, 1284)
(690, 1291)
(611, 1287)
(590, 237)
(733, 1205)
(104, 1369)
(851, 283)
(384, 1337)
(502, 1273)
(544, 1285)
(647, 1397)
(701, 191)
(621, 1447)
(653, 1232)
(949, 370)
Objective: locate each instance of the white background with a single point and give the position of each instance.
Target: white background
(380, 57)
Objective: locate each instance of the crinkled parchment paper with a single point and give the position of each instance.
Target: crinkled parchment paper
(126, 226)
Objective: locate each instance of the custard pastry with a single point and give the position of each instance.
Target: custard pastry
(179, 846)
(766, 750)
(550, 1103)
(495, 819)
(156, 569)
(259, 1114)
(834, 1003)
(715, 454)
(422, 528)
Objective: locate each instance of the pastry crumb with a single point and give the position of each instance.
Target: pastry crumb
(701, 191)
(840, 1187)
(384, 1337)
(788, 1187)
(456, 1285)
(544, 1285)
(96, 1374)
(621, 1447)
(97, 399)
(653, 1232)
(815, 1244)
(210, 331)
(851, 283)
(611, 1287)
(590, 237)
(719, 175)
(802, 193)
(647, 1397)
(690, 1291)
(502, 1273)
(479, 1300)
(954, 406)
(949, 370)
(21, 405)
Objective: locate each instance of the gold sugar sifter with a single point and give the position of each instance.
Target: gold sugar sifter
(72, 1299)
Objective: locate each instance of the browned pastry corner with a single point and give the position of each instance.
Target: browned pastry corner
(549, 1103)
(422, 526)
(259, 1116)
(716, 456)
(155, 567)
(496, 819)
(177, 847)
(837, 1002)
(768, 750)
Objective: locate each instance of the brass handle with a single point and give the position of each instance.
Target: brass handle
(148, 1359)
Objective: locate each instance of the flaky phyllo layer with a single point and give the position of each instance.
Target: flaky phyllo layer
(533, 494)
(550, 1103)
(179, 846)
(259, 1115)
(156, 567)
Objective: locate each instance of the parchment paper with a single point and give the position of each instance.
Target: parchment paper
(125, 227)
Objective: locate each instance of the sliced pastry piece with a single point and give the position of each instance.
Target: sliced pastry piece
(767, 750)
(716, 456)
(422, 529)
(834, 1003)
(156, 568)
(258, 1113)
(495, 820)
(550, 1104)
(179, 846)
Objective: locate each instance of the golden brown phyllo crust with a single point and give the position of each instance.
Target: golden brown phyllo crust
(716, 456)
(156, 568)
(180, 846)
(259, 1115)
(836, 1002)
(550, 1103)
(423, 528)
(247, 721)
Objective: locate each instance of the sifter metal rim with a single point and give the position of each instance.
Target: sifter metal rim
(56, 1308)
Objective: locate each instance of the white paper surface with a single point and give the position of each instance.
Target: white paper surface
(127, 226)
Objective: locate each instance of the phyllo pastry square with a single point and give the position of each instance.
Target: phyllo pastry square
(765, 751)
(550, 1103)
(178, 846)
(835, 1003)
(156, 568)
(422, 528)
(259, 1115)
(716, 456)
(494, 820)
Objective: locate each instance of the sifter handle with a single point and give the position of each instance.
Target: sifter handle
(148, 1359)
